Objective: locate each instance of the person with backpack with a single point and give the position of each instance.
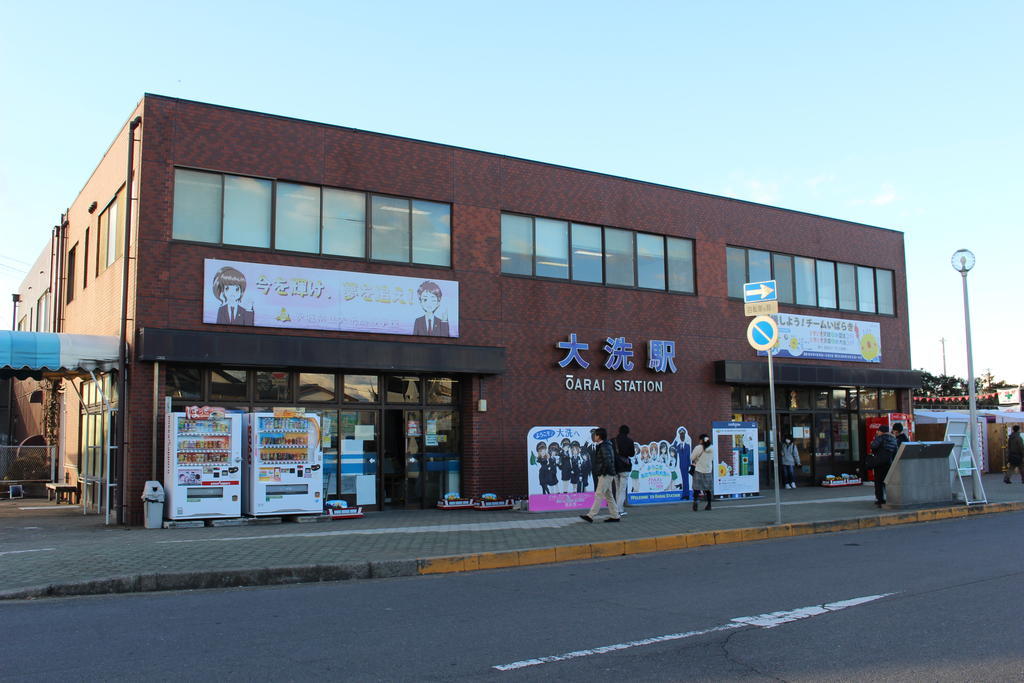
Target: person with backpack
(883, 450)
(1014, 454)
(604, 468)
(625, 449)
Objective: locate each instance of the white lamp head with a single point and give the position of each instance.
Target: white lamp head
(963, 260)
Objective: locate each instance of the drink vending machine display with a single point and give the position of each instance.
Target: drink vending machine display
(202, 465)
(282, 467)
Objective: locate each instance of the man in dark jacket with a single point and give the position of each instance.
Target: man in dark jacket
(1014, 454)
(883, 448)
(625, 449)
(604, 468)
(900, 436)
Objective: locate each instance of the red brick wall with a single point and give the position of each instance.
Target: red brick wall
(525, 316)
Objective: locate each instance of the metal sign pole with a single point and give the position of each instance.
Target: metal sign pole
(771, 438)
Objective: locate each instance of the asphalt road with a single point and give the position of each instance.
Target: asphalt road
(952, 611)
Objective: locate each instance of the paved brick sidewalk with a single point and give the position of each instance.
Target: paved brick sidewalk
(59, 546)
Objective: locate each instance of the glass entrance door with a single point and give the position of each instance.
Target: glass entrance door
(798, 427)
(402, 459)
(822, 463)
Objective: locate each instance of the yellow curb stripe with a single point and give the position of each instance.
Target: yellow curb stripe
(608, 549)
(699, 539)
(728, 536)
(569, 553)
(640, 545)
(696, 539)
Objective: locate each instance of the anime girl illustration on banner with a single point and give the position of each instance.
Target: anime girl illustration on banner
(229, 288)
(559, 468)
(658, 470)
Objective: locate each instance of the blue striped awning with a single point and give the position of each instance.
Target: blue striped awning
(24, 354)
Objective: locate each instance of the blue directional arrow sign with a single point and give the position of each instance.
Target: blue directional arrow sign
(756, 292)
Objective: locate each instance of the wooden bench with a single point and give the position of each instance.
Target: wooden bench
(68, 493)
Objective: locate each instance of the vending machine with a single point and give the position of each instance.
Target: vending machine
(202, 464)
(282, 466)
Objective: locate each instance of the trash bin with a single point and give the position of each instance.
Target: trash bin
(153, 501)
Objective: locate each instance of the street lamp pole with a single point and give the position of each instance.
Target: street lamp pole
(971, 391)
(963, 261)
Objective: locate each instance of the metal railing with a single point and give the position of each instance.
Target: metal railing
(27, 463)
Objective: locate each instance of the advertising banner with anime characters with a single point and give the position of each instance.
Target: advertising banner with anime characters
(736, 457)
(808, 336)
(262, 295)
(561, 476)
(659, 470)
(559, 468)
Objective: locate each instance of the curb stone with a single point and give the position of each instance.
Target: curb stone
(477, 561)
(380, 569)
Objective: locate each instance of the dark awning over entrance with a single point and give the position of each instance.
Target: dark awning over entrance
(279, 351)
(756, 372)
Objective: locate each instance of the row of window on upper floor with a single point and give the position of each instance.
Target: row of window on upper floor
(235, 210)
(806, 281)
(253, 212)
(542, 247)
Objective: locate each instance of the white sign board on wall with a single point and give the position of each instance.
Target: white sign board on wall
(289, 297)
(808, 336)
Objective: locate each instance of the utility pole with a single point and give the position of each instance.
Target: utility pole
(942, 340)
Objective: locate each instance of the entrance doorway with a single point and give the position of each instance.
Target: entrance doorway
(402, 459)
(799, 428)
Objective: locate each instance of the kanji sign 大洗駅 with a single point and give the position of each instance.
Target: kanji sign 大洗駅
(620, 356)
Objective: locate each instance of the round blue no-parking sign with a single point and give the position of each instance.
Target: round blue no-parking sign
(762, 333)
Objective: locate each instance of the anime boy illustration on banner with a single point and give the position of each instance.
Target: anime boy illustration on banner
(681, 448)
(430, 324)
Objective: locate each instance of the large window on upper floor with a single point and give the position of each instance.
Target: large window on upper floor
(561, 250)
(111, 232)
(256, 212)
(804, 281)
(69, 280)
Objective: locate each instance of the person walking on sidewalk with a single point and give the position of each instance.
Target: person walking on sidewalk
(790, 461)
(604, 468)
(625, 449)
(701, 467)
(1014, 454)
(883, 448)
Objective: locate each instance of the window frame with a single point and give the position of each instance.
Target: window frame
(817, 291)
(367, 197)
(69, 273)
(604, 256)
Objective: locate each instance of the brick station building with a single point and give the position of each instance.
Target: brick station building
(426, 300)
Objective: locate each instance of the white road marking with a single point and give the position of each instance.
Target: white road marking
(52, 507)
(18, 552)
(442, 528)
(770, 620)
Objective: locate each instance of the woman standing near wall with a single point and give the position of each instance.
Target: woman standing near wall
(701, 467)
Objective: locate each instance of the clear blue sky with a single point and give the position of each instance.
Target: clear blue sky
(906, 115)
